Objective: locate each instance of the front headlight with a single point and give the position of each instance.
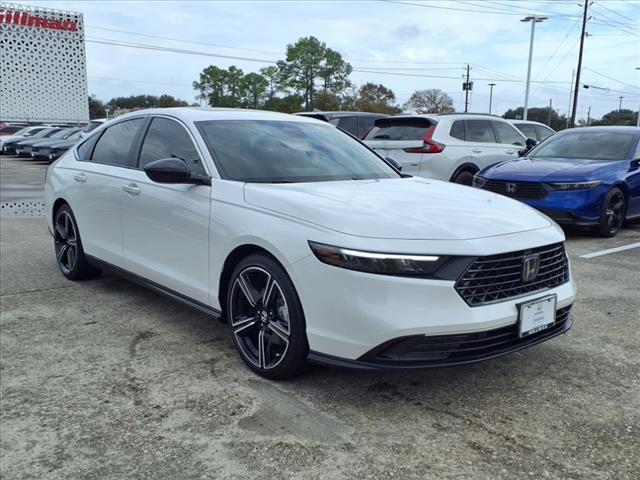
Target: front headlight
(430, 266)
(478, 181)
(576, 185)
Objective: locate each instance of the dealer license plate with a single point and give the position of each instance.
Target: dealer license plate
(537, 315)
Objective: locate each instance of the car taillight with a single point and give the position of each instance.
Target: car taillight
(428, 145)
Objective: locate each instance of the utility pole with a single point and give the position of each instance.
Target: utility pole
(533, 19)
(573, 73)
(588, 115)
(550, 111)
(577, 87)
(466, 87)
(620, 104)
(491, 85)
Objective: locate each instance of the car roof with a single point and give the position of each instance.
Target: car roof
(342, 113)
(199, 114)
(604, 128)
(515, 120)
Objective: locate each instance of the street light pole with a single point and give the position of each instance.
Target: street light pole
(491, 85)
(533, 19)
(620, 104)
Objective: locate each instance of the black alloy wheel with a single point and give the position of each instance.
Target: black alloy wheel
(613, 213)
(266, 319)
(68, 246)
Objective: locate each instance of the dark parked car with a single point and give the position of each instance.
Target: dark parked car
(356, 123)
(52, 149)
(9, 146)
(23, 147)
(9, 129)
(587, 177)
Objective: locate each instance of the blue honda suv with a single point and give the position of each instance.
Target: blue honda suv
(586, 177)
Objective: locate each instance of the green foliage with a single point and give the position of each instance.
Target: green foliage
(96, 108)
(431, 100)
(144, 101)
(618, 117)
(376, 98)
(543, 115)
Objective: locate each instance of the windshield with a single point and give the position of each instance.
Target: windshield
(586, 146)
(288, 151)
(62, 133)
(22, 131)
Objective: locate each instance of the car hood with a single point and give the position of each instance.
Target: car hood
(548, 169)
(408, 208)
(32, 141)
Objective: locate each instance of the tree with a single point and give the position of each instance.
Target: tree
(272, 75)
(309, 62)
(254, 90)
(165, 101)
(212, 85)
(431, 100)
(372, 97)
(618, 117)
(96, 108)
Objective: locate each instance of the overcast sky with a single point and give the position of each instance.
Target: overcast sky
(430, 39)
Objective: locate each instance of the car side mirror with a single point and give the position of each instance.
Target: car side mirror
(394, 163)
(635, 164)
(173, 170)
(530, 143)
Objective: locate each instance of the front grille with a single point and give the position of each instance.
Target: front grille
(530, 190)
(496, 278)
(421, 350)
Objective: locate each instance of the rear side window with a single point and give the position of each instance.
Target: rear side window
(114, 145)
(479, 131)
(457, 130)
(507, 134)
(403, 131)
(349, 124)
(528, 130)
(364, 125)
(165, 139)
(543, 132)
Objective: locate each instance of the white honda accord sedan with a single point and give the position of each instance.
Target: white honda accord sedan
(309, 245)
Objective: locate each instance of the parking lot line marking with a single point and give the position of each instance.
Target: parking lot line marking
(611, 250)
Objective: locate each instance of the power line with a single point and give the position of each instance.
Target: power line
(601, 5)
(610, 78)
(558, 47)
(439, 7)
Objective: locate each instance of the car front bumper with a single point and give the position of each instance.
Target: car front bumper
(351, 315)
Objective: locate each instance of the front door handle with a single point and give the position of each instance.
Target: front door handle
(510, 152)
(80, 177)
(476, 150)
(131, 189)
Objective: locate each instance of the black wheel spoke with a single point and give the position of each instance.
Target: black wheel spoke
(60, 231)
(276, 328)
(250, 293)
(243, 322)
(267, 293)
(62, 252)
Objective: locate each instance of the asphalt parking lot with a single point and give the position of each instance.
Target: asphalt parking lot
(106, 380)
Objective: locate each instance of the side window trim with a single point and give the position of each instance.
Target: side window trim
(143, 135)
(90, 138)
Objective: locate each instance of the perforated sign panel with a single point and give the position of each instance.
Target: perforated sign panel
(43, 72)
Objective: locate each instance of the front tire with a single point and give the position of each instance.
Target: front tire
(464, 178)
(613, 212)
(266, 318)
(68, 246)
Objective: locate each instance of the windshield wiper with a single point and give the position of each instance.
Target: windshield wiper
(382, 137)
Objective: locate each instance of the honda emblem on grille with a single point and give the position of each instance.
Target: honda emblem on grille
(530, 267)
(511, 188)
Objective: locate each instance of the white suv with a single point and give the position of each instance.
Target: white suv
(445, 147)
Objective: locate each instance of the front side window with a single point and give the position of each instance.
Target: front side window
(528, 130)
(287, 151)
(508, 134)
(592, 145)
(543, 132)
(166, 139)
(114, 145)
(479, 131)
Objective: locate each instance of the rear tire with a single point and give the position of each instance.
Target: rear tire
(266, 319)
(464, 177)
(68, 246)
(614, 209)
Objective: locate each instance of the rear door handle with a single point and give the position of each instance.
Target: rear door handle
(476, 150)
(80, 177)
(131, 189)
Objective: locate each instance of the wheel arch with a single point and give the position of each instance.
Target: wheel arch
(465, 166)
